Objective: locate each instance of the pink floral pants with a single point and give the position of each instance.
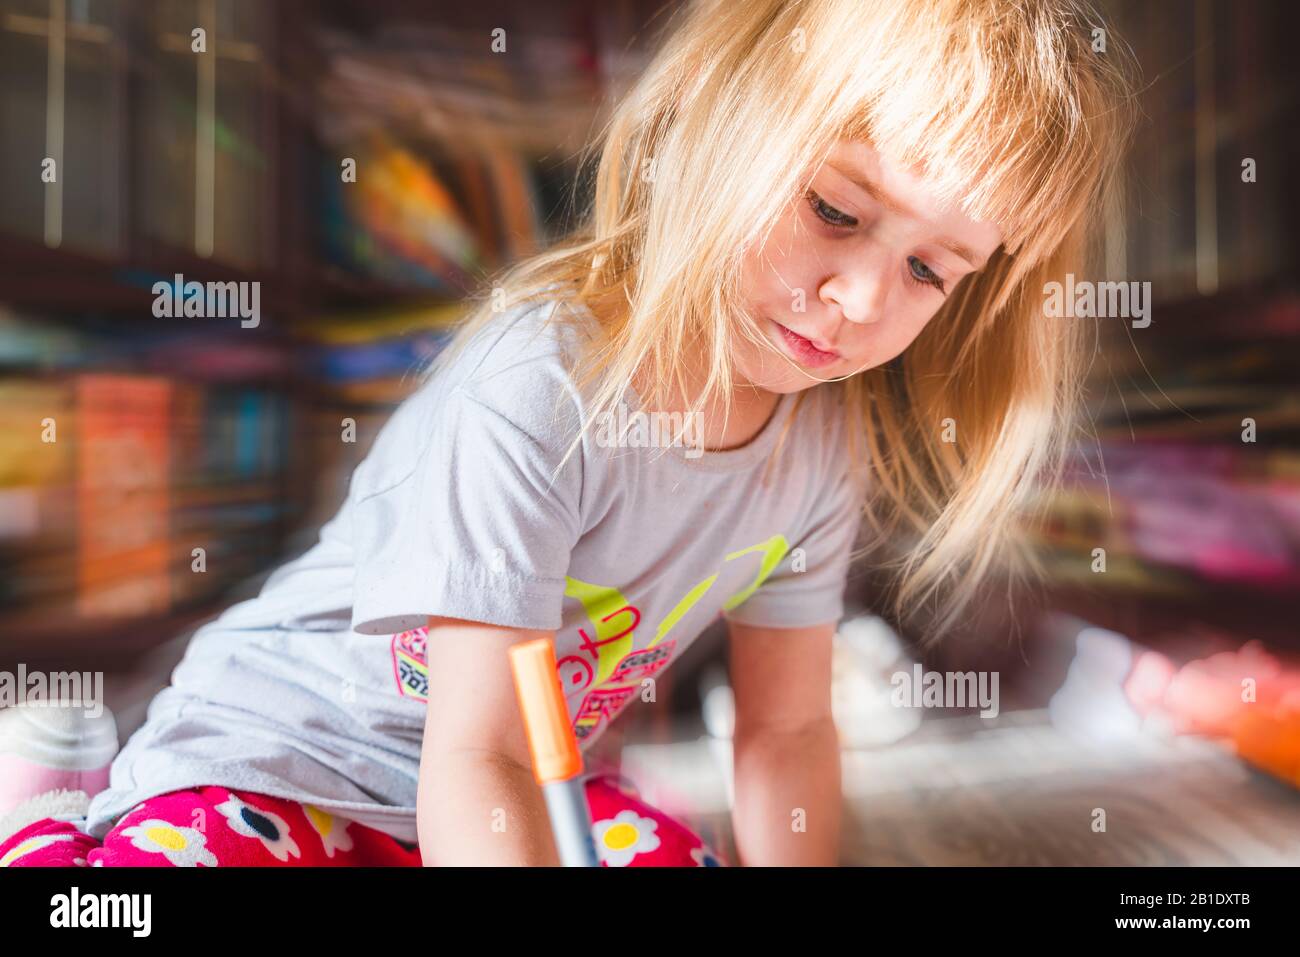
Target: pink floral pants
(216, 827)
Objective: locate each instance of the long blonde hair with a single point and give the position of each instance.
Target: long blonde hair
(1010, 112)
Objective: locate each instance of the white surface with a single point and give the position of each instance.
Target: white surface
(1016, 791)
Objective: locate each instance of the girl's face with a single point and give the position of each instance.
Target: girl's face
(874, 255)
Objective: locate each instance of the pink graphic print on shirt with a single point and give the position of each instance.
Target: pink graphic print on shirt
(606, 669)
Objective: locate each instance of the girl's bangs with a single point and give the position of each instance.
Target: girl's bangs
(989, 111)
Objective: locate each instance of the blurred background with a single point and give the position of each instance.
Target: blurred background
(126, 441)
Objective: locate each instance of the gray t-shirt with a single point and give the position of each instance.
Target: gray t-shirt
(315, 690)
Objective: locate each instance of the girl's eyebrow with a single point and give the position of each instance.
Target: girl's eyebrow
(894, 206)
(965, 252)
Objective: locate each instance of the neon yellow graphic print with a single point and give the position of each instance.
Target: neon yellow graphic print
(607, 666)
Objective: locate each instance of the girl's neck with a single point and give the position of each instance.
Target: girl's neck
(751, 410)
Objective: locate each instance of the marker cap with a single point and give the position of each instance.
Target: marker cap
(551, 741)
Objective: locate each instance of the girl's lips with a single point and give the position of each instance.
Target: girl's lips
(804, 351)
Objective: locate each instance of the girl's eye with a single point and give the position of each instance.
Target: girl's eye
(921, 274)
(828, 213)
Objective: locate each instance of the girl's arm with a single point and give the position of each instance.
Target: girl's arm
(477, 802)
(786, 750)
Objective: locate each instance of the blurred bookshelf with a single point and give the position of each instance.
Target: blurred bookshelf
(131, 440)
(174, 434)
(1200, 526)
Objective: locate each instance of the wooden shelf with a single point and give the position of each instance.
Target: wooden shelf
(55, 642)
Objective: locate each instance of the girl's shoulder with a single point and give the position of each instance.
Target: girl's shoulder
(534, 336)
(511, 378)
(520, 364)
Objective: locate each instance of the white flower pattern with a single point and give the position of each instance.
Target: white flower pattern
(333, 831)
(182, 846)
(32, 844)
(627, 834)
(265, 826)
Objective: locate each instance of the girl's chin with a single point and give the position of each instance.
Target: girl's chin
(786, 380)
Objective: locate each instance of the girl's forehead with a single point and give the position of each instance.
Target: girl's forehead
(907, 192)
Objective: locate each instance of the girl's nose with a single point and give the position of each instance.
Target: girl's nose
(859, 293)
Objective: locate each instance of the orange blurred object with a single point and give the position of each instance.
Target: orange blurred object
(1246, 696)
(1271, 741)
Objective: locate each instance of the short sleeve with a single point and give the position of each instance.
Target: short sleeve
(807, 587)
(481, 528)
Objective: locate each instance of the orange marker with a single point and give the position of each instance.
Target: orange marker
(557, 762)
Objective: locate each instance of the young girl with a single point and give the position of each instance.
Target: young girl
(817, 251)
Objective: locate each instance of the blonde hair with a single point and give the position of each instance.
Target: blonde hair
(1007, 110)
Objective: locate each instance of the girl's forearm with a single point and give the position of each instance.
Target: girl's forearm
(788, 798)
(475, 809)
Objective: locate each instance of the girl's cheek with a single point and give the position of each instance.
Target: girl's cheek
(916, 326)
(893, 333)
